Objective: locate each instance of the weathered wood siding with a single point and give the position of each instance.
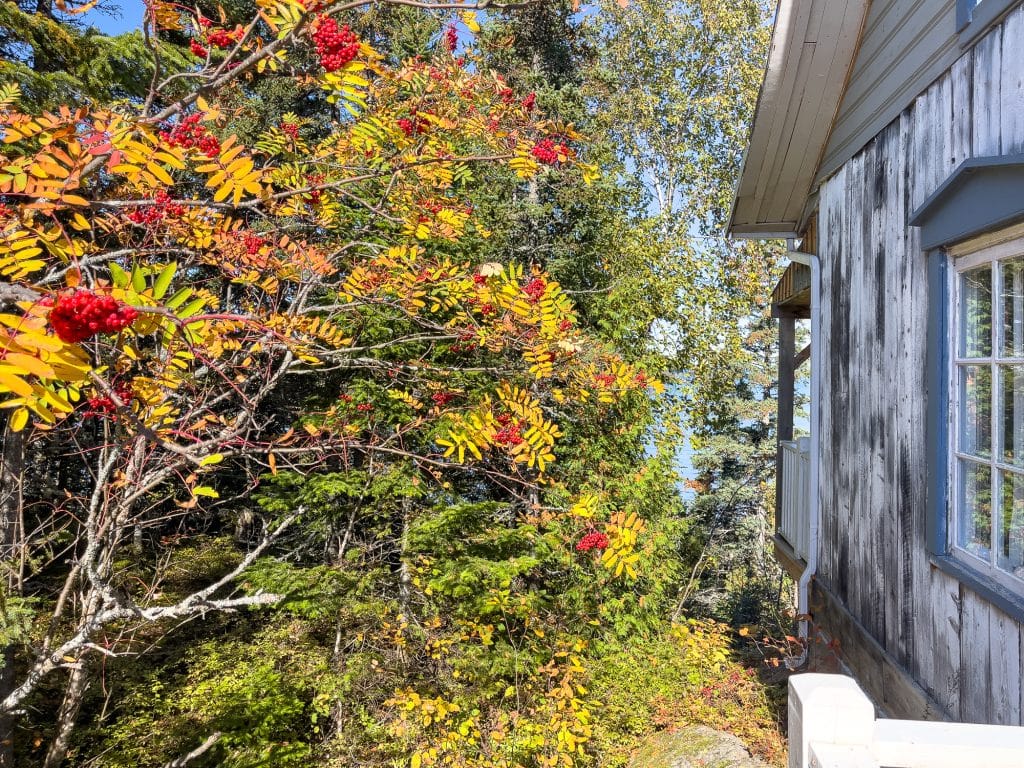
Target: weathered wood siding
(872, 555)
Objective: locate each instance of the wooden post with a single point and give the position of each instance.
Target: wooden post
(784, 424)
(831, 722)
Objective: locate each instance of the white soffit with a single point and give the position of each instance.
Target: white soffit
(812, 50)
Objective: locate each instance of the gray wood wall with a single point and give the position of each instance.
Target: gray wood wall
(872, 555)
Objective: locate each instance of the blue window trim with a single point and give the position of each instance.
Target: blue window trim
(937, 437)
(975, 17)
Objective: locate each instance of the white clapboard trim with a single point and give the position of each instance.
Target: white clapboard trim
(832, 724)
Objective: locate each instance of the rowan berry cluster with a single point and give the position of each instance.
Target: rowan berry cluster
(607, 379)
(190, 133)
(511, 432)
(334, 47)
(312, 180)
(535, 289)
(441, 399)
(479, 279)
(221, 38)
(529, 102)
(81, 314)
(103, 405)
(413, 126)
(364, 407)
(591, 541)
(151, 215)
(198, 50)
(565, 325)
(549, 152)
(290, 129)
(253, 243)
(451, 38)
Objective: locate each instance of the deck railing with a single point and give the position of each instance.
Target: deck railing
(795, 476)
(832, 724)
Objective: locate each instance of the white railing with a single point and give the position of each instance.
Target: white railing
(796, 494)
(832, 725)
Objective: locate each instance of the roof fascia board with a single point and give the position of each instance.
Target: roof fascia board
(781, 64)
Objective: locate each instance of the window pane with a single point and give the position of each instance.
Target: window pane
(1010, 535)
(1011, 416)
(974, 529)
(976, 312)
(976, 410)
(1013, 307)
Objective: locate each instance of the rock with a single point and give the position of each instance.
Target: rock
(695, 746)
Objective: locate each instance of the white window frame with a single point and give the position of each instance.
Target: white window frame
(964, 260)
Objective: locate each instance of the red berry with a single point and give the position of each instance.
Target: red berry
(535, 289)
(451, 38)
(197, 50)
(592, 541)
(548, 152)
(81, 314)
(334, 47)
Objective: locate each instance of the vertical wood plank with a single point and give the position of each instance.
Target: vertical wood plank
(1004, 652)
(943, 645)
(961, 75)
(976, 666)
(1011, 84)
(986, 115)
(858, 514)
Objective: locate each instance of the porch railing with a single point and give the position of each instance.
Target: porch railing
(832, 725)
(795, 476)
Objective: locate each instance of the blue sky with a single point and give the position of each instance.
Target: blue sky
(118, 16)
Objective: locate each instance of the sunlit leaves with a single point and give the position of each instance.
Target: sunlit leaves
(623, 531)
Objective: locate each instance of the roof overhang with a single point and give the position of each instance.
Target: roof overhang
(813, 46)
(982, 194)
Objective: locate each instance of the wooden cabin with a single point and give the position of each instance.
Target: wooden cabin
(888, 147)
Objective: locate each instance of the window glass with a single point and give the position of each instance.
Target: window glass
(1012, 280)
(976, 312)
(1011, 414)
(975, 530)
(976, 410)
(1010, 536)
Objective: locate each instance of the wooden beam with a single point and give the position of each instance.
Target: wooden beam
(802, 356)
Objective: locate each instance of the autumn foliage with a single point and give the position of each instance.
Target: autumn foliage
(165, 283)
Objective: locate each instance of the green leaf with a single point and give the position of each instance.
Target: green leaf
(119, 276)
(163, 280)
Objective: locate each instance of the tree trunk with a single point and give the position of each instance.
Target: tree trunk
(78, 682)
(12, 473)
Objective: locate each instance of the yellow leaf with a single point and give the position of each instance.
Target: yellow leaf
(30, 364)
(205, 490)
(18, 420)
(12, 383)
(215, 458)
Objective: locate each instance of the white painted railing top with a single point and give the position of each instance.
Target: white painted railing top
(795, 518)
(832, 724)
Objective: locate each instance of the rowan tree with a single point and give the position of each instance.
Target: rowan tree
(165, 283)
